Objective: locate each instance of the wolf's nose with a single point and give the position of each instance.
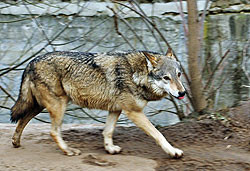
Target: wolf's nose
(181, 94)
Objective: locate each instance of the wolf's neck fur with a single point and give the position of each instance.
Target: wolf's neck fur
(142, 78)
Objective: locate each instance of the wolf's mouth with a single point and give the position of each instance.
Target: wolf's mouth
(179, 97)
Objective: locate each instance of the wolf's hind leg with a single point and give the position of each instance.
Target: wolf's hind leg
(108, 132)
(21, 125)
(142, 122)
(56, 108)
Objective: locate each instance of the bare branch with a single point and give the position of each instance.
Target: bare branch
(22, 19)
(41, 120)
(40, 50)
(130, 27)
(117, 28)
(8, 94)
(91, 116)
(146, 19)
(209, 81)
(183, 18)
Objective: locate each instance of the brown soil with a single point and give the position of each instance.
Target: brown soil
(215, 142)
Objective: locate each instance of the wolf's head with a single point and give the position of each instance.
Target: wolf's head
(165, 73)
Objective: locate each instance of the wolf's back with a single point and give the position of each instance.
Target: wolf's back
(25, 103)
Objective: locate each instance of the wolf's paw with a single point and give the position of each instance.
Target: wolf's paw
(113, 149)
(72, 152)
(15, 143)
(176, 153)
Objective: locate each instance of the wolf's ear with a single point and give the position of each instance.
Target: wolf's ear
(170, 54)
(151, 58)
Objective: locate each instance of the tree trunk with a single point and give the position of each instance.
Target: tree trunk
(196, 86)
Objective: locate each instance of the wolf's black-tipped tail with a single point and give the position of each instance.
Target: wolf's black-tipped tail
(25, 103)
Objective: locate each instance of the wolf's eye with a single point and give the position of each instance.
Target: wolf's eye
(166, 78)
(179, 74)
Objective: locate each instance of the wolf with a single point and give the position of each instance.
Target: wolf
(112, 81)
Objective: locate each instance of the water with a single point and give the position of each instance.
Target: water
(221, 32)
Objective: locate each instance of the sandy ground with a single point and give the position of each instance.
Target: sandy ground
(208, 144)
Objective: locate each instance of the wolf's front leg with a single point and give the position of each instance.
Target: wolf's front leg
(142, 122)
(108, 132)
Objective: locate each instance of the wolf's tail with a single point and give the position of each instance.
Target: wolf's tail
(26, 102)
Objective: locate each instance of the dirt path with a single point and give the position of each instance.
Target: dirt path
(39, 152)
(207, 145)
